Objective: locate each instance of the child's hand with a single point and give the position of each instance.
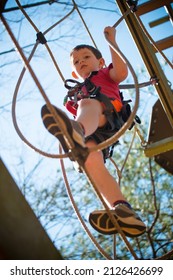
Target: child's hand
(110, 32)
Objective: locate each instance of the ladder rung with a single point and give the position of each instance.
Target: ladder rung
(151, 5)
(159, 147)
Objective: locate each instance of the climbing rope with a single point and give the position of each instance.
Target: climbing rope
(114, 221)
(27, 66)
(41, 39)
(99, 248)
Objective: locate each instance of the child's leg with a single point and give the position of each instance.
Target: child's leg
(90, 115)
(104, 181)
(127, 219)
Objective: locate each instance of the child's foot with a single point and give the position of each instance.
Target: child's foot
(128, 220)
(73, 128)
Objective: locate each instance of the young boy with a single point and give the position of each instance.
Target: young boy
(94, 122)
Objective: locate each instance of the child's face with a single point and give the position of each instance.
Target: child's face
(84, 62)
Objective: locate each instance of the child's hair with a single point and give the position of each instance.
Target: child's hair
(95, 51)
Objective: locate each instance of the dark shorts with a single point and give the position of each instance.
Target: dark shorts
(104, 133)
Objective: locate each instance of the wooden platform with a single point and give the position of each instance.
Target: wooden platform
(21, 234)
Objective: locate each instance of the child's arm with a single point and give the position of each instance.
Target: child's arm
(119, 71)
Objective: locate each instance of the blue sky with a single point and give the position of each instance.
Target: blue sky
(18, 157)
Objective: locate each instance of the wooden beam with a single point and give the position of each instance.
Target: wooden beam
(158, 21)
(160, 138)
(21, 235)
(150, 60)
(151, 5)
(159, 147)
(165, 43)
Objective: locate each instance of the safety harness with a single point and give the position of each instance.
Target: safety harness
(116, 115)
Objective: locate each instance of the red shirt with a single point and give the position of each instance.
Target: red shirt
(107, 85)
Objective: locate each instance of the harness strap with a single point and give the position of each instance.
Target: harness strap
(116, 112)
(110, 111)
(111, 107)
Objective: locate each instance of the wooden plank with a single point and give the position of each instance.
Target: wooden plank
(165, 43)
(159, 147)
(21, 235)
(158, 21)
(160, 138)
(151, 5)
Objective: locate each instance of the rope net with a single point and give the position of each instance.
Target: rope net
(41, 40)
